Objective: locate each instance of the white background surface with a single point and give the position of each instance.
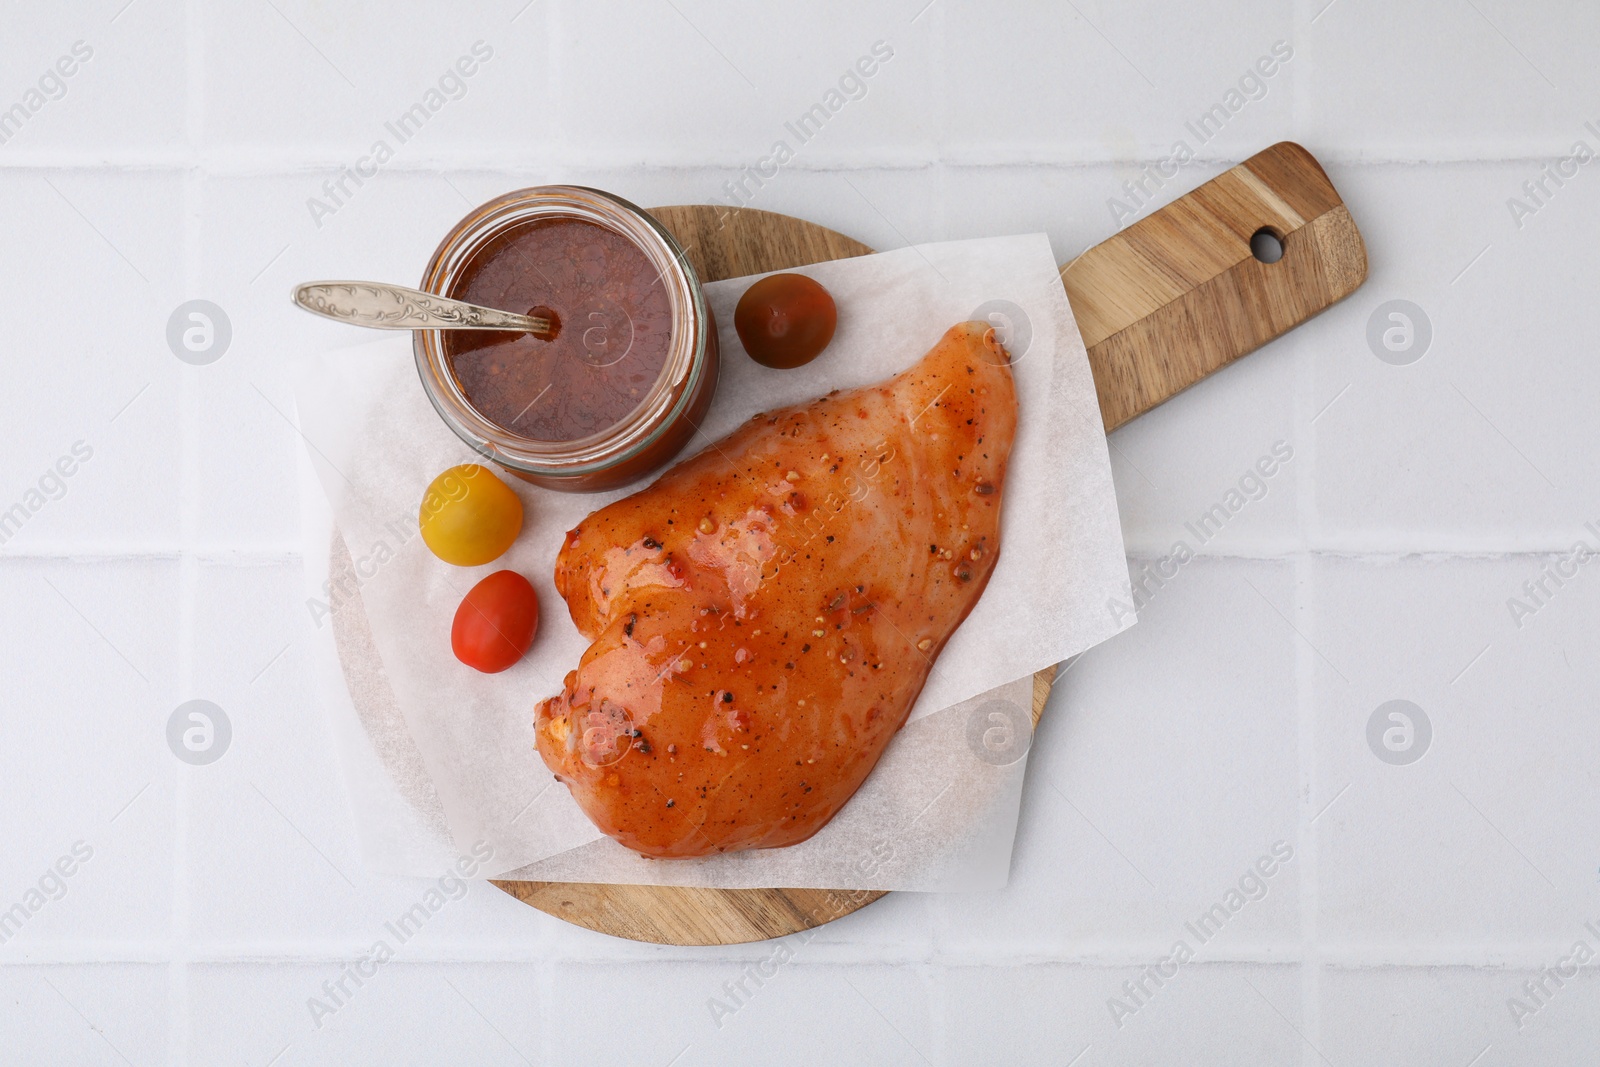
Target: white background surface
(1420, 898)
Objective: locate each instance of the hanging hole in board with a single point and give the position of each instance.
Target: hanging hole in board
(1266, 245)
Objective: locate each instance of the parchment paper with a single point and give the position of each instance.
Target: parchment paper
(940, 810)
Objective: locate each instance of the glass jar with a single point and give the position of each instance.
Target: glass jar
(670, 408)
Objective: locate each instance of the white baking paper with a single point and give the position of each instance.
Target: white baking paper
(940, 810)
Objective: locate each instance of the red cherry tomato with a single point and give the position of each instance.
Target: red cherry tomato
(785, 320)
(495, 623)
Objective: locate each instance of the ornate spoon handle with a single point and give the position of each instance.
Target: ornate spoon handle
(395, 307)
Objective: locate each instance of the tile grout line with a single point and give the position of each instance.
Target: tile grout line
(1304, 571)
(557, 88)
(1305, 671)
(178, 1026)
(937, 977)
(1299, 99)
(249, 162)
(1133, 953)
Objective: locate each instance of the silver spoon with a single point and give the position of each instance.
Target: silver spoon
(395, 307)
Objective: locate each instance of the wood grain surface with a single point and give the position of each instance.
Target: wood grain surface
(1161, 305)
(1178, 294)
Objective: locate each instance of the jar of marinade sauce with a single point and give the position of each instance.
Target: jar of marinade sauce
(624, 378)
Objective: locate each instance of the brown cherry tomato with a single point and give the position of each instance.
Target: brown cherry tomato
(785, 320)
(495, 623)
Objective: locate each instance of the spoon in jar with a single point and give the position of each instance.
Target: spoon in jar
(395, 307)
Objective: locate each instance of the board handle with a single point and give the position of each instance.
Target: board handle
(1179, 294)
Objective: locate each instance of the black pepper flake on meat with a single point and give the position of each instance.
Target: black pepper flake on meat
(672, 803)
(983, 488)
(651, 543)
(628, 629)
(727, 698)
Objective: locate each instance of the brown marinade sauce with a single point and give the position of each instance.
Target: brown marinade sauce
(613, 330)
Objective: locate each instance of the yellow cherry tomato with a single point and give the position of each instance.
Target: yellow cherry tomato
(469, 517)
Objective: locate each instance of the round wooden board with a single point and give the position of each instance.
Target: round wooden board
(722, 244)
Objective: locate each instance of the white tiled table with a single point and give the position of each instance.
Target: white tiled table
(178, 163)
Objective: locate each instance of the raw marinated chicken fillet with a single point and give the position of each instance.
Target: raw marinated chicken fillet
(765, 614)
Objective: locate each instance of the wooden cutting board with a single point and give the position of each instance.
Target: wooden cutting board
(1167, 301)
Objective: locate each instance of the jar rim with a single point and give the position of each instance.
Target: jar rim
(669, 396)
